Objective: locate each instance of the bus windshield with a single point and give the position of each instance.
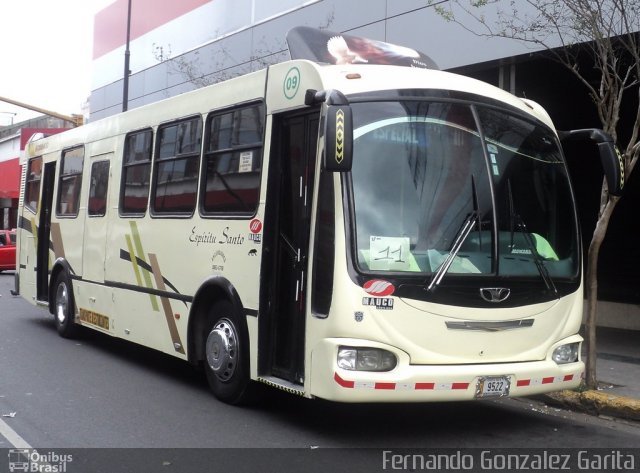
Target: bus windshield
(470, 187)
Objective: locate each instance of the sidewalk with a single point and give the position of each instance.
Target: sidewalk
(618, 372)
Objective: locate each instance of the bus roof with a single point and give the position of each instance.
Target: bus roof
(353, 79)
(349, 79)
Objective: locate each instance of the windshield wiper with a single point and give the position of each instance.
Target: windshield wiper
(537, 259)
(463, 233)
(517, 221)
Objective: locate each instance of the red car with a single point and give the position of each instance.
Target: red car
(7, 250)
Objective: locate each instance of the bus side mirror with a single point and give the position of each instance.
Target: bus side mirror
(613, 165)
(338, 138)
(611, 159)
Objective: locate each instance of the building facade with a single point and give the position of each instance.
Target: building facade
(13, 139)
(178, 46)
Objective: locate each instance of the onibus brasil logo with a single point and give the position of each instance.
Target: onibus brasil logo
(29, 460)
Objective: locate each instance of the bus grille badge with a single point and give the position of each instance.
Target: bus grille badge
(495, 294)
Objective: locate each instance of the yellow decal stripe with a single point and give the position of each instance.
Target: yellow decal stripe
(140, 254)
(34, 232)
(134, 260)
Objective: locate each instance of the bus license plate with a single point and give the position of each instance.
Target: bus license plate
(493, 386)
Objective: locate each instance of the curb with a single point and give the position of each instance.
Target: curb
(596, 403)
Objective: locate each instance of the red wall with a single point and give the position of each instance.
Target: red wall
(110, 24)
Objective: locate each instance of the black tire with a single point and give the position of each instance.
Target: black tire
(64, 307)
(226, 355)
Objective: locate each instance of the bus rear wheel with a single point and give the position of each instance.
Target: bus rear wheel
(63, 307)
(227, 355)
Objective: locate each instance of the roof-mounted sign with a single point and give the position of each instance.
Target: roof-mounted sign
(334, 48)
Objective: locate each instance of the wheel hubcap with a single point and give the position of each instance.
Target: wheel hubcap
(222, 349)
(62, 303)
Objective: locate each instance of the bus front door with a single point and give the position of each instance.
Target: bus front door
(287, 221)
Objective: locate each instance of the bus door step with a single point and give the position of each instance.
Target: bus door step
(282, 384)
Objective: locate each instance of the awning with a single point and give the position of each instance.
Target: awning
(10, 179)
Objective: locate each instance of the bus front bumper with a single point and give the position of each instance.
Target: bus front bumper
(427, 383)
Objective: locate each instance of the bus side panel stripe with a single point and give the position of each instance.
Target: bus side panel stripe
(124, 255)
(134, 261)
(166, 305)
(140, 254)
(56, 240)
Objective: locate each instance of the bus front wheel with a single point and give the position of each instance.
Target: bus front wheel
(227, 355)
(63, 307)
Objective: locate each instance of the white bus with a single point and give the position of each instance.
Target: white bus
(352, 232)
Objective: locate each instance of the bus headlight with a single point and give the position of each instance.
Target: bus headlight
(566, 353)
(366, 359)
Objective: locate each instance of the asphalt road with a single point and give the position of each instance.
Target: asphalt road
(98, 392)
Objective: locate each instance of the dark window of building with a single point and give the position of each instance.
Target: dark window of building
(233, 161)
(136, 171)
(70, 182)
(98, 188)
(32, 188)
(176, 167)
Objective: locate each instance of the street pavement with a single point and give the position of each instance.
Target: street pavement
(618, 374)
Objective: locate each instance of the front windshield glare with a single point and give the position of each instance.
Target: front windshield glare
(423, 179)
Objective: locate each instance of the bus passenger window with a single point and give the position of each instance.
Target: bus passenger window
(233, 161)
(136, 172)
(176, 167)
(70, 182)
(32, 188)
(99, 182)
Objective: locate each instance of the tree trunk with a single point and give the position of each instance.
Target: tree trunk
(592, 290)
